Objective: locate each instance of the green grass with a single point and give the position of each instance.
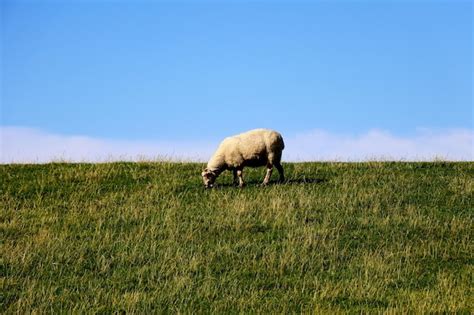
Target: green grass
(147, 237)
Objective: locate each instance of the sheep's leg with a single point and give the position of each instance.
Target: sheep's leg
(275, 159)
(280, 171)
(236, 180)
(268, 175)
(241, 180)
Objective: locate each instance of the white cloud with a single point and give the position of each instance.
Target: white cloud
(28, 145)
(19, 144)
(452, 144)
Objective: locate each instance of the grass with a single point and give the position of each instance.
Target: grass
(147, 237)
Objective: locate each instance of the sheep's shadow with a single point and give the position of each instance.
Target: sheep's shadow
(289, 181)
(305, 180)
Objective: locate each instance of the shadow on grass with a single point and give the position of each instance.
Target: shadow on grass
(290, 181)
(305, 180)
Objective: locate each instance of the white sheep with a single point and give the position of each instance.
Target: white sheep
(259, 147)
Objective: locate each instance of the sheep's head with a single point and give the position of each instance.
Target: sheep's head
(208, 177)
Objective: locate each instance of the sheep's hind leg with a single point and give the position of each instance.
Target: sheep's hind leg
(280, 171)
(275, 159)
(266, 180)
(241, 180)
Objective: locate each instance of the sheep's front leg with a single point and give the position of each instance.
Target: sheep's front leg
(268, 175)
(241, 180)
(236, 180)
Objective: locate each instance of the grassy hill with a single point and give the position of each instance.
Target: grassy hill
(144, 237)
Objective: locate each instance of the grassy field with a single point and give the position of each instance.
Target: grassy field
(147, 237)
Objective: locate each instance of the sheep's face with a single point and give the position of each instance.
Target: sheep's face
(208, 177)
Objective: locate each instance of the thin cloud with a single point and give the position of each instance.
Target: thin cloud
(452, 144)
(29, 145)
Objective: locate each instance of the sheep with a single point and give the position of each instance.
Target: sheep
(254, 148)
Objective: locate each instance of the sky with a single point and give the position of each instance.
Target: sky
(345, 80)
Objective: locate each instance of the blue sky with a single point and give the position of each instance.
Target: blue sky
(201, 70)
